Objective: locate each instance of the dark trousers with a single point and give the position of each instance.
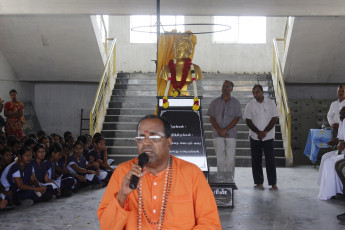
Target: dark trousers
(339, 165)
(256, 150)
(67, 181)
(26, 194)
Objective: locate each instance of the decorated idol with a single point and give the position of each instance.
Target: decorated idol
(181, 72)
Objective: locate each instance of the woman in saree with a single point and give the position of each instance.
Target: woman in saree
(14, 113)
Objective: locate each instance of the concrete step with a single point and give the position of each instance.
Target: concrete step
(205, 93)
(202, 86)
(213, 76)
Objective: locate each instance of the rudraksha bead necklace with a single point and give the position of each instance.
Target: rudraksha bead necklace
(166, 191)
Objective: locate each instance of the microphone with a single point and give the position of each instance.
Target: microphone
(142, 160)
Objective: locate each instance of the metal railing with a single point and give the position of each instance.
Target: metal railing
(104, 91)
(282, 102)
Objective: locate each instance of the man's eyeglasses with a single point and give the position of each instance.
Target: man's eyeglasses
(152, 138)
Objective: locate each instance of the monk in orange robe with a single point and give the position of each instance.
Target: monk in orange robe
(171, 193)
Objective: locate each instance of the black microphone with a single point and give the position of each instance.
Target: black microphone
(142, 160)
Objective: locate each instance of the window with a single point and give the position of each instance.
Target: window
(150, 22)
(243, 30)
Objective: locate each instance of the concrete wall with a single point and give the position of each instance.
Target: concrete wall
(58, 105)
(211, 57)
(316, 91)
(8, 81)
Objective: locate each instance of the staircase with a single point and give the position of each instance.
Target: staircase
(134, 96)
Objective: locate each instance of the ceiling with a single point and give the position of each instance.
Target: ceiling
(51, 48)
(316, 52)
(177, 7)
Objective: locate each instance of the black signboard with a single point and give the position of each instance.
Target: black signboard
(188, 140)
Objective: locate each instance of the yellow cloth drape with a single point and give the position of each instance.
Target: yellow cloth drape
(165, 54)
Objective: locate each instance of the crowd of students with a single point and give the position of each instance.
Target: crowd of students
(39, 168)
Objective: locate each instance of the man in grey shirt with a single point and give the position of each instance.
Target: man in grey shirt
(225, 112)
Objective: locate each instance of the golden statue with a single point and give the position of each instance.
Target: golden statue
(177, 69)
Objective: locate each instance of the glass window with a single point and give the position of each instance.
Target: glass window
(243, 30)
(150, 22)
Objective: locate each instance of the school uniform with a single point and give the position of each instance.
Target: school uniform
(105, 173)
(65, 181)
(25, 175)
(40, 171)
(81, 163)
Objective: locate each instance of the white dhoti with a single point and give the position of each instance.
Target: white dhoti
(328, 179)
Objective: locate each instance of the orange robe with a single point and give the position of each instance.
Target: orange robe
(191, 203)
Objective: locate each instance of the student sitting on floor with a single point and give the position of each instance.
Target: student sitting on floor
(77, 165)
(44, 140)
(23, 183)
(6, 156)
(99, 152)
(61, 171)
(41, 171)
(30, 142)
(63, 182)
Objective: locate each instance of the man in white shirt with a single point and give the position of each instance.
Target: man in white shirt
(261, 115)
(334, 109)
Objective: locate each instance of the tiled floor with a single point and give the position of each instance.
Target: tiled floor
(294, 206)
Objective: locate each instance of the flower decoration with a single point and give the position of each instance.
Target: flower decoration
(165, 102)
(196, 104)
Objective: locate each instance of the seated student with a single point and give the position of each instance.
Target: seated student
(64, 183)
(67, 134)
(6, 155)
(44, 140)
(61, 141)
(40, 134)
(86, 151)
(328, 179)
(77, 165)
(14, 144)
(51, 141)
(33, 136)
(96, 135)
(99, 152)
(61, 171)
(30, 142)
(70, 141)
(41, 170)
(92, 164)
(55, 137)
(21, 180)
(89, 140)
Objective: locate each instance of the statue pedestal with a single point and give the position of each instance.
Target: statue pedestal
(188, 142)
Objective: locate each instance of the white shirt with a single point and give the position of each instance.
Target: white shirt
(341, 133)
(261, 115)
(333, 113)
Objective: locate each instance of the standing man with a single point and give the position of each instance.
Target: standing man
(171, 194)
(333, 113)
(261, 115)
(225, 112)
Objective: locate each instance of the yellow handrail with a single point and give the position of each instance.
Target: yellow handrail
(104, 90)
(282, 102)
